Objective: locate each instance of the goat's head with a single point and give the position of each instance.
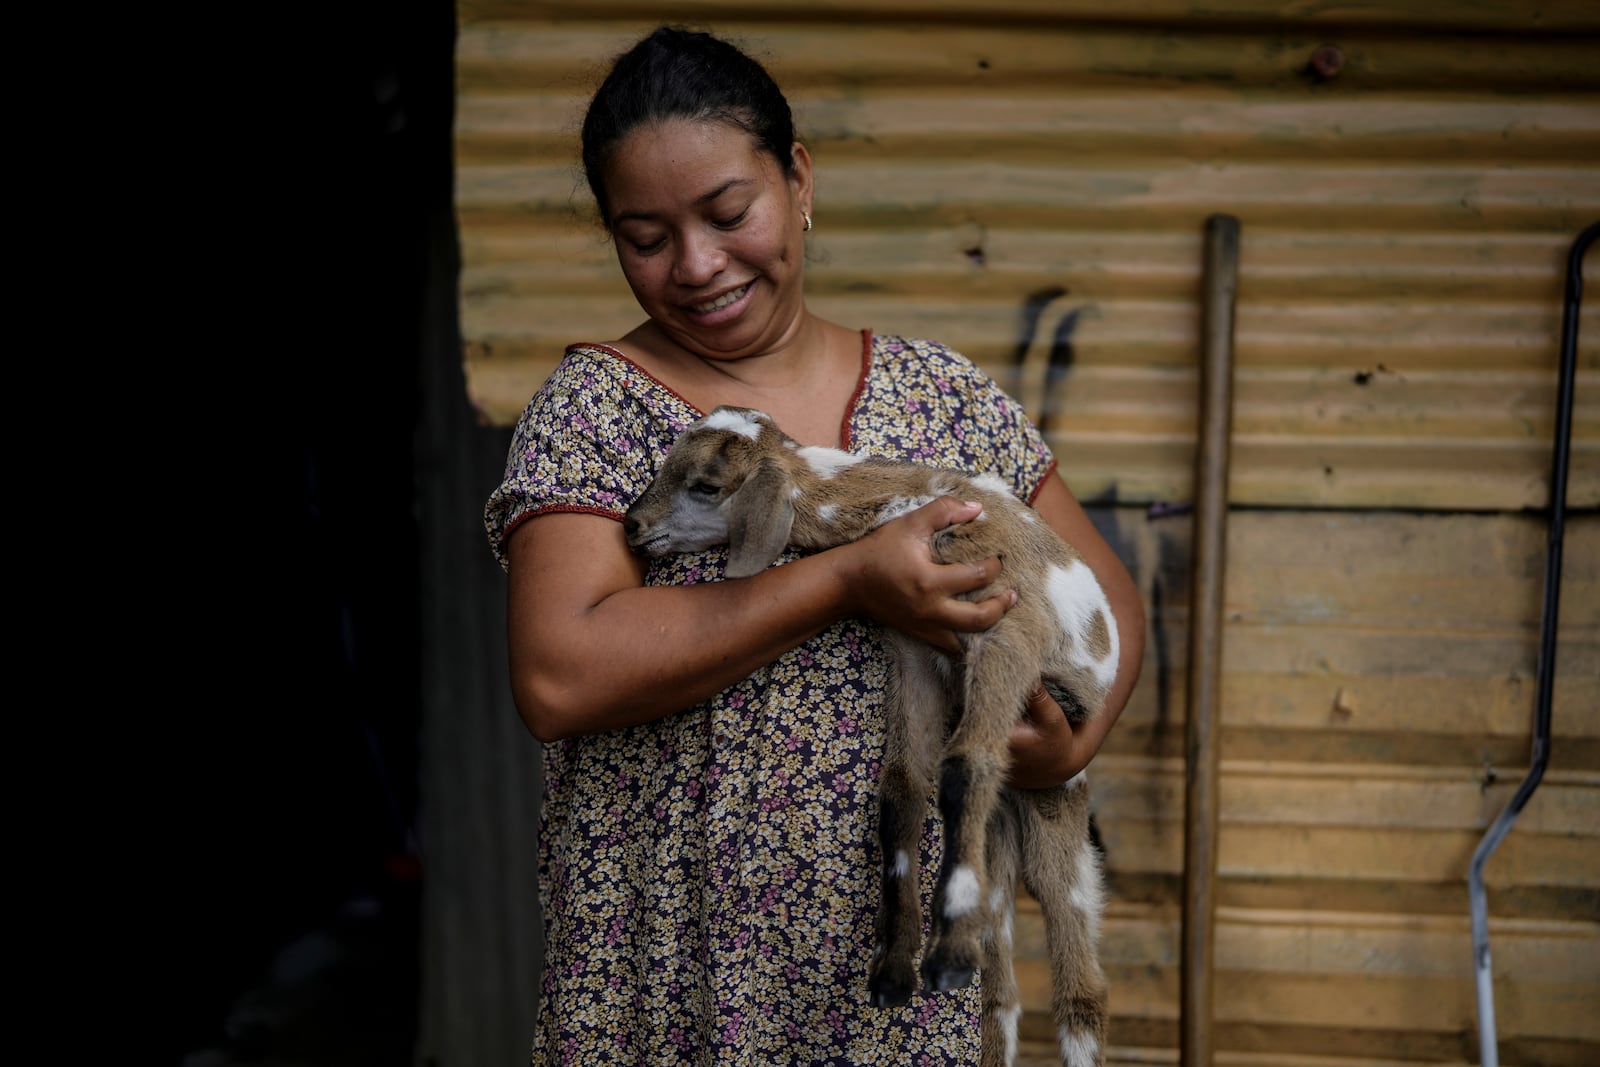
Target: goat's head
(723, 482)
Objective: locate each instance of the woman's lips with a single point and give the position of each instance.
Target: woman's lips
(726, 300)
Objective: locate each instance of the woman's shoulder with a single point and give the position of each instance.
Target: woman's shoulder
(945, 407)
(579, 362)
(904, 349)
(589, 358)
(921, 362)
(596, 378)
(897, 343)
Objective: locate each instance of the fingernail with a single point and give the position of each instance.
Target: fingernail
(1013, 593)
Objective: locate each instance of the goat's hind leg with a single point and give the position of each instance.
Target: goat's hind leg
(1002, 1000)
(915, 710)
(1061, 868)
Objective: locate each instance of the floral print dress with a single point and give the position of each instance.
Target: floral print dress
(709, 880)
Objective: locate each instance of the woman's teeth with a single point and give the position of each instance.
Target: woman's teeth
(722, 301)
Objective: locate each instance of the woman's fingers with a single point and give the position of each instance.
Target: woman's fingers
(902, 586)
(950, 582)
(1041, 744)
(959, 578)
(946, 511)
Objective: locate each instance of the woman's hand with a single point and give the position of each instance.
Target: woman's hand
(1042, 745)
(895, 580)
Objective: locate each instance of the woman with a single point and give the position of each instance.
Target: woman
(708, 845)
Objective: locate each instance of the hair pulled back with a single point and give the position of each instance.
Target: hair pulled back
(675, 73)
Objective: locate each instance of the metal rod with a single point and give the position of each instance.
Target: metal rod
(1220, 282)
(1488, 1043)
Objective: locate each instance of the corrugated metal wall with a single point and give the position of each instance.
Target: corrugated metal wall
(1029, 182)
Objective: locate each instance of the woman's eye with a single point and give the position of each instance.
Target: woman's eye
(730, 222)
(645, 248)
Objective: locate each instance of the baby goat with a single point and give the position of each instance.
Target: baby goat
(735, 478)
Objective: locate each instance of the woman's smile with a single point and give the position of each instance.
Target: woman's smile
(731, 301)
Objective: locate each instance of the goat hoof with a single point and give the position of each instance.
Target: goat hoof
(946, 977)
(886, 993)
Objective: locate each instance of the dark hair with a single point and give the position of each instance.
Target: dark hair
(674, 73)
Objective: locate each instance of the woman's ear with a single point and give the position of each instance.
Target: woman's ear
(801, 176)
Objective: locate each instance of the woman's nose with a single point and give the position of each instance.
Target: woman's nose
(699, 260)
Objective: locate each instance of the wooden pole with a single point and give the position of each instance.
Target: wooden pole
(1205, 636)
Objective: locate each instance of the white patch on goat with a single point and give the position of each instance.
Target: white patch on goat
(826, 462)
(827, 512)
(1007, 1017)
(902, 864)
(901, 505)
(1079, 1050)
(1078, 599)
(1004, 916)
(1088, 893)
(743, 425)
(992, 482)
(961, 894)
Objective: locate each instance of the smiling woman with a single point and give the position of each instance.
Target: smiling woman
(710, 235)
(709, 853)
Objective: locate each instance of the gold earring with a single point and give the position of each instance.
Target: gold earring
(808, 221)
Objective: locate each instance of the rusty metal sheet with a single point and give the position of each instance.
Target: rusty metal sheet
(1401, 265)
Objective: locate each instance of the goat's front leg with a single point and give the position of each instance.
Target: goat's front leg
(914, 710)
(970, 779)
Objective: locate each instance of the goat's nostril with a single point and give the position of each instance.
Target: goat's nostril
(630, 526)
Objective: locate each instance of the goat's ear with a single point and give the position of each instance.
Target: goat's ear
(760, 515)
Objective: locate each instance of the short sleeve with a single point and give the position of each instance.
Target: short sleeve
(586, 442)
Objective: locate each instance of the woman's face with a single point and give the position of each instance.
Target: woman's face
(708, 233)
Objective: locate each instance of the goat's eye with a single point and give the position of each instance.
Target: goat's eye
(704, 489)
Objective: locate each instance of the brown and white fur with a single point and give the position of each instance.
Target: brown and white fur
(735, 478)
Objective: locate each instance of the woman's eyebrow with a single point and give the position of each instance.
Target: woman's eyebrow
(724, 187)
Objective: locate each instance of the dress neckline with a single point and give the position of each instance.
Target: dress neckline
(846, 432)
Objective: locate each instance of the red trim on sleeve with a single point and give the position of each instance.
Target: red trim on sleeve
(551, 509)
(845, 436)
(1039, 488)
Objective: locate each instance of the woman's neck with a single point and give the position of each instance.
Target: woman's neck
(805, 383)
